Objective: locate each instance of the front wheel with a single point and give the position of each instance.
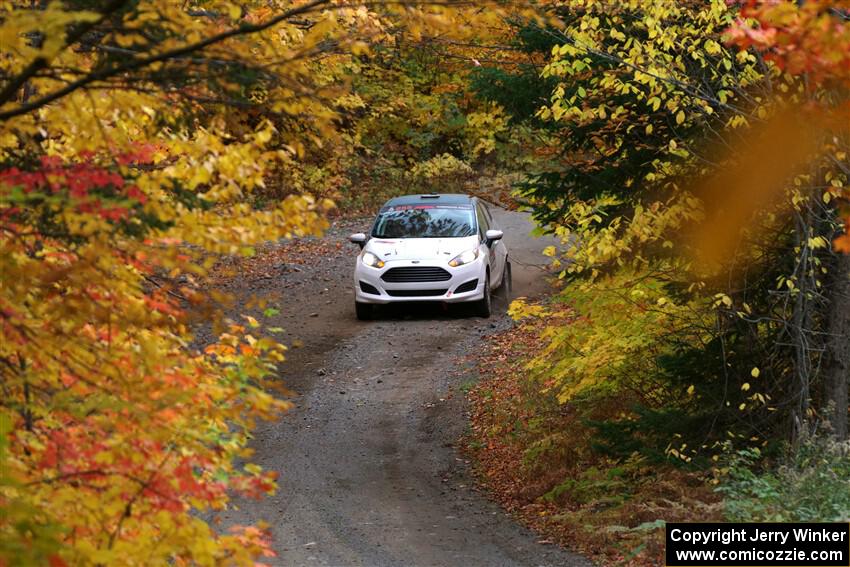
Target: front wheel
(483, 308)
(363, 310)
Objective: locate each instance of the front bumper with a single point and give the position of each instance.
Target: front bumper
(398, 292)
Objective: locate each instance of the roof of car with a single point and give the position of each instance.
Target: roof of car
(442, 199)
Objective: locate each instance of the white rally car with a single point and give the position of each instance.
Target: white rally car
(430, 248)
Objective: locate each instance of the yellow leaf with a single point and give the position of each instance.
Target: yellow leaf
(745, 386)
(755, 372)
(360, 48)
(711, 47)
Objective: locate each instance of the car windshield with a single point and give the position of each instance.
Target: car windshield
(425, 221)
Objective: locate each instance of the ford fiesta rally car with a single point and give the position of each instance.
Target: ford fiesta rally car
(430, 248)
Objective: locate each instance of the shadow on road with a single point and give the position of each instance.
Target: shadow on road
(429, 310)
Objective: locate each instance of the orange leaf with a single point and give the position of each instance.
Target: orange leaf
(842, 244)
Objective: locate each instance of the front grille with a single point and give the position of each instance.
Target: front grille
(467, 286)
(369, 288)
(416, 274)
(416, 292)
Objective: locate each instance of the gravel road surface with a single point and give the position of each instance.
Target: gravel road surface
(369, 473)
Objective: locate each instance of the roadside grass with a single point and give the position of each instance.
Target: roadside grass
(536, 458)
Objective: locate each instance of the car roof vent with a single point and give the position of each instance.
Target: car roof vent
(430, 196)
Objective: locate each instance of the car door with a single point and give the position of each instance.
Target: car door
(498, 250)
(501, 247)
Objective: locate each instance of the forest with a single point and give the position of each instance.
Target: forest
(691, 158)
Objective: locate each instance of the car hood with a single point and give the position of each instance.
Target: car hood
(389, 249)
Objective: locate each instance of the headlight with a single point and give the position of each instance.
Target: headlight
(464, 258)
(372, 261)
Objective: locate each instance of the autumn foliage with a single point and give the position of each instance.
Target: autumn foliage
(114, 430)
(117, 432)
(139, 143)
(142, 141)
(697, 178)
(811, 40)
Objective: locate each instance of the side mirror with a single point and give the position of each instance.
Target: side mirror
(492, 236)
(358, 238)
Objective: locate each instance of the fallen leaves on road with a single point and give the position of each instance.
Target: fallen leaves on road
(271, 260)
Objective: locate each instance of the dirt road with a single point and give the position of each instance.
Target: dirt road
(368, 470)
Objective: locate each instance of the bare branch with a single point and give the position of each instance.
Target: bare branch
(41, 63)
(133, 64)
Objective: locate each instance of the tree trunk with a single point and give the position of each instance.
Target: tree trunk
(800, 329)
(836, 363)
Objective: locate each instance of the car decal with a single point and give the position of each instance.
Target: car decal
(418, 207)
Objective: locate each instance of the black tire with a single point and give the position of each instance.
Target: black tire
(507, 285)
(503, 292)
(484, 306)
(363, 310)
